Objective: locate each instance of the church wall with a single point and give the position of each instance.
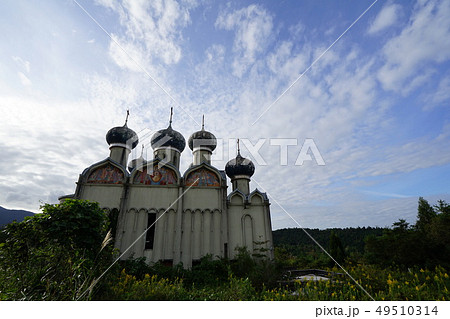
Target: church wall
(197, 231)
(249, 225)
(235, 213)
(186, 238)
(204, 227)
(134, 225)
(268, 229)
(158, 246)
(152, 196)
(203, 198)
(207, 232)
(107, 195)
(248, 236)
(139, 225)
(169, 235)
(130, 231)
(259, 235)
(217, 234)
(145, 200)
(260, 214)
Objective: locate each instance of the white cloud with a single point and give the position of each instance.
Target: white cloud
(253, 29)
(417, 81)
(338, 105)
(128, 56)
(297, 29)
(426, 39)
(152, 28)
(24, 79)
(440, 96)
(23, 64)
(386, 18)
(46, 146)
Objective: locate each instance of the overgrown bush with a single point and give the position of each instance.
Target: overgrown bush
(55, 255)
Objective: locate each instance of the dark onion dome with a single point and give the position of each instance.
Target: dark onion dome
(168, 138)
(122, 135)
(202, 139)
(239, 166)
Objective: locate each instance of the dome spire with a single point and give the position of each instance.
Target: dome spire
(126, 119)
(171, 114)
(238, 148)
(203, 122)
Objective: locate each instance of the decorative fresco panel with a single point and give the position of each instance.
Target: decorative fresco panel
(106, 175)
(157, 176)
(202, 177)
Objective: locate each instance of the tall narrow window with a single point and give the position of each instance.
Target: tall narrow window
(113, 219)
(150, 236)
(225, 250)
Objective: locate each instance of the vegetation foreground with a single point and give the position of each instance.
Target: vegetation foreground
(380, 284)
(62, 254)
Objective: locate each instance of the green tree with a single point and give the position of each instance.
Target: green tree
(54, 255)
(401, 226)
(442, 207)
(336, 248)
(425, 214)
(427, 244)
(401, 245)
(439, 235)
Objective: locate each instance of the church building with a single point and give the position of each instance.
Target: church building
(164, 215)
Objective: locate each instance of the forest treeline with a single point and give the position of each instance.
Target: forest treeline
(298, 247)
(352, 238)
(423, 244)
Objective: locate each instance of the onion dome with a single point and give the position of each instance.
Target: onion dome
(122, 135)
(202, 139)
(168, 138)
(239, 166)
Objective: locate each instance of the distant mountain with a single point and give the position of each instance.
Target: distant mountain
(9, 215)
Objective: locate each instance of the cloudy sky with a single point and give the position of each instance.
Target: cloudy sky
(367, 84)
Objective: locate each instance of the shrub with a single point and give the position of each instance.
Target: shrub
(55, 255)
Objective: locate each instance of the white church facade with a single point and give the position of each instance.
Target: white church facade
(187, 215)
